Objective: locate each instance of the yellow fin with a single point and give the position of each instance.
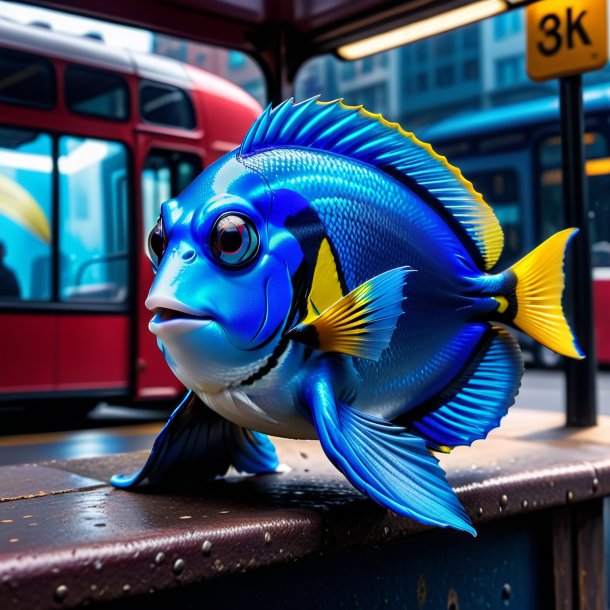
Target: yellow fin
(325, 286)
(361, 323)
(540, 283)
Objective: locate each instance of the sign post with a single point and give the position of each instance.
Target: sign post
(564, 39)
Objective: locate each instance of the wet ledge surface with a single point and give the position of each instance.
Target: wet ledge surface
(67, 538)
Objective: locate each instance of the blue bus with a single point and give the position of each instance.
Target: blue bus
(512, 155)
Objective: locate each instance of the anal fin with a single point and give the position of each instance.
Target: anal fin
(198, 444)
(477, 399)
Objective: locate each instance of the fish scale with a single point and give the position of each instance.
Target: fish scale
(374, 224)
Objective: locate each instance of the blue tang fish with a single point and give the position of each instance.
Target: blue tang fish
(329, 279)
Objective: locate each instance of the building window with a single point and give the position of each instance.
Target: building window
(421, 82)
(470, 69)
(97, 93)
(383, 59)
(348, 70)
(510, 70)
(445, 76)
(26, 79)
(508, 24)
(367, 65)
(421, 50)
(470, 36)
(444, 45)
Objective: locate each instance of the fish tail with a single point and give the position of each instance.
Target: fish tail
(533, 299)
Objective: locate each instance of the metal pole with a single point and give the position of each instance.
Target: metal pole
(581, 399)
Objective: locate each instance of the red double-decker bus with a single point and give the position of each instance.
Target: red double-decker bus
(92, 140)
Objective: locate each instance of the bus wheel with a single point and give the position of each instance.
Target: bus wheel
(547, 358)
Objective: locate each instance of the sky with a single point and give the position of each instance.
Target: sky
(114, 35)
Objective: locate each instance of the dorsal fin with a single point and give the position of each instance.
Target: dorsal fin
(354, 132)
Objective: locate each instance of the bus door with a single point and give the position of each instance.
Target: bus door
(64, 265)
(165, 173)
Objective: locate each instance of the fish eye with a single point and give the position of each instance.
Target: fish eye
(157, 243)
(234, 239)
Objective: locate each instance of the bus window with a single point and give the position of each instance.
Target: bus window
(97, 93)
(26, 79)
(166, 174)
(26, 166)
(93, 221)
(500, 189)
(597, 166)
(166, 105)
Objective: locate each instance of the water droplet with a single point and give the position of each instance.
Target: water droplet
(206, 548)
(506, 593)
(27, 516)
(185, 517)
(503, 501)
(159, 558)
(386, 530)
(60, 593)
(479, 511)
(178, 566)
(569, 495)
(524, 504)
(93, 587)
(98, 565)
(595, 484)
(6, 521)
(126, 588)
(224, 512)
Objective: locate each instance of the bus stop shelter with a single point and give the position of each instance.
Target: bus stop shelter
(305, 538)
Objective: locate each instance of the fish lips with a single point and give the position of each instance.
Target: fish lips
(173, 318)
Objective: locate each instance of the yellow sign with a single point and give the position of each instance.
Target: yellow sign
(566, 37)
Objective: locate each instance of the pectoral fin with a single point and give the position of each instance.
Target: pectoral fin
(198, 444)
(360, 323)
(384, 461)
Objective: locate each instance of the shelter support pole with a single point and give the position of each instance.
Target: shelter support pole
(581, 399)
(275, 63)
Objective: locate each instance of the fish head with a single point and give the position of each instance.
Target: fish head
(225, 266)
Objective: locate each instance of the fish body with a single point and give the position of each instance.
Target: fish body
(330, 279)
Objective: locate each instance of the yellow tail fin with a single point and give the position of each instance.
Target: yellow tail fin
(540, 283)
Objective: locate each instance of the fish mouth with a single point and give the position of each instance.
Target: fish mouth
(172, 316)
(174, 322)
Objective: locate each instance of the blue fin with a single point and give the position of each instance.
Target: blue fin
(479, 397)
(353, 132)
(362, 322)
(198, 444)
(384, 461)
